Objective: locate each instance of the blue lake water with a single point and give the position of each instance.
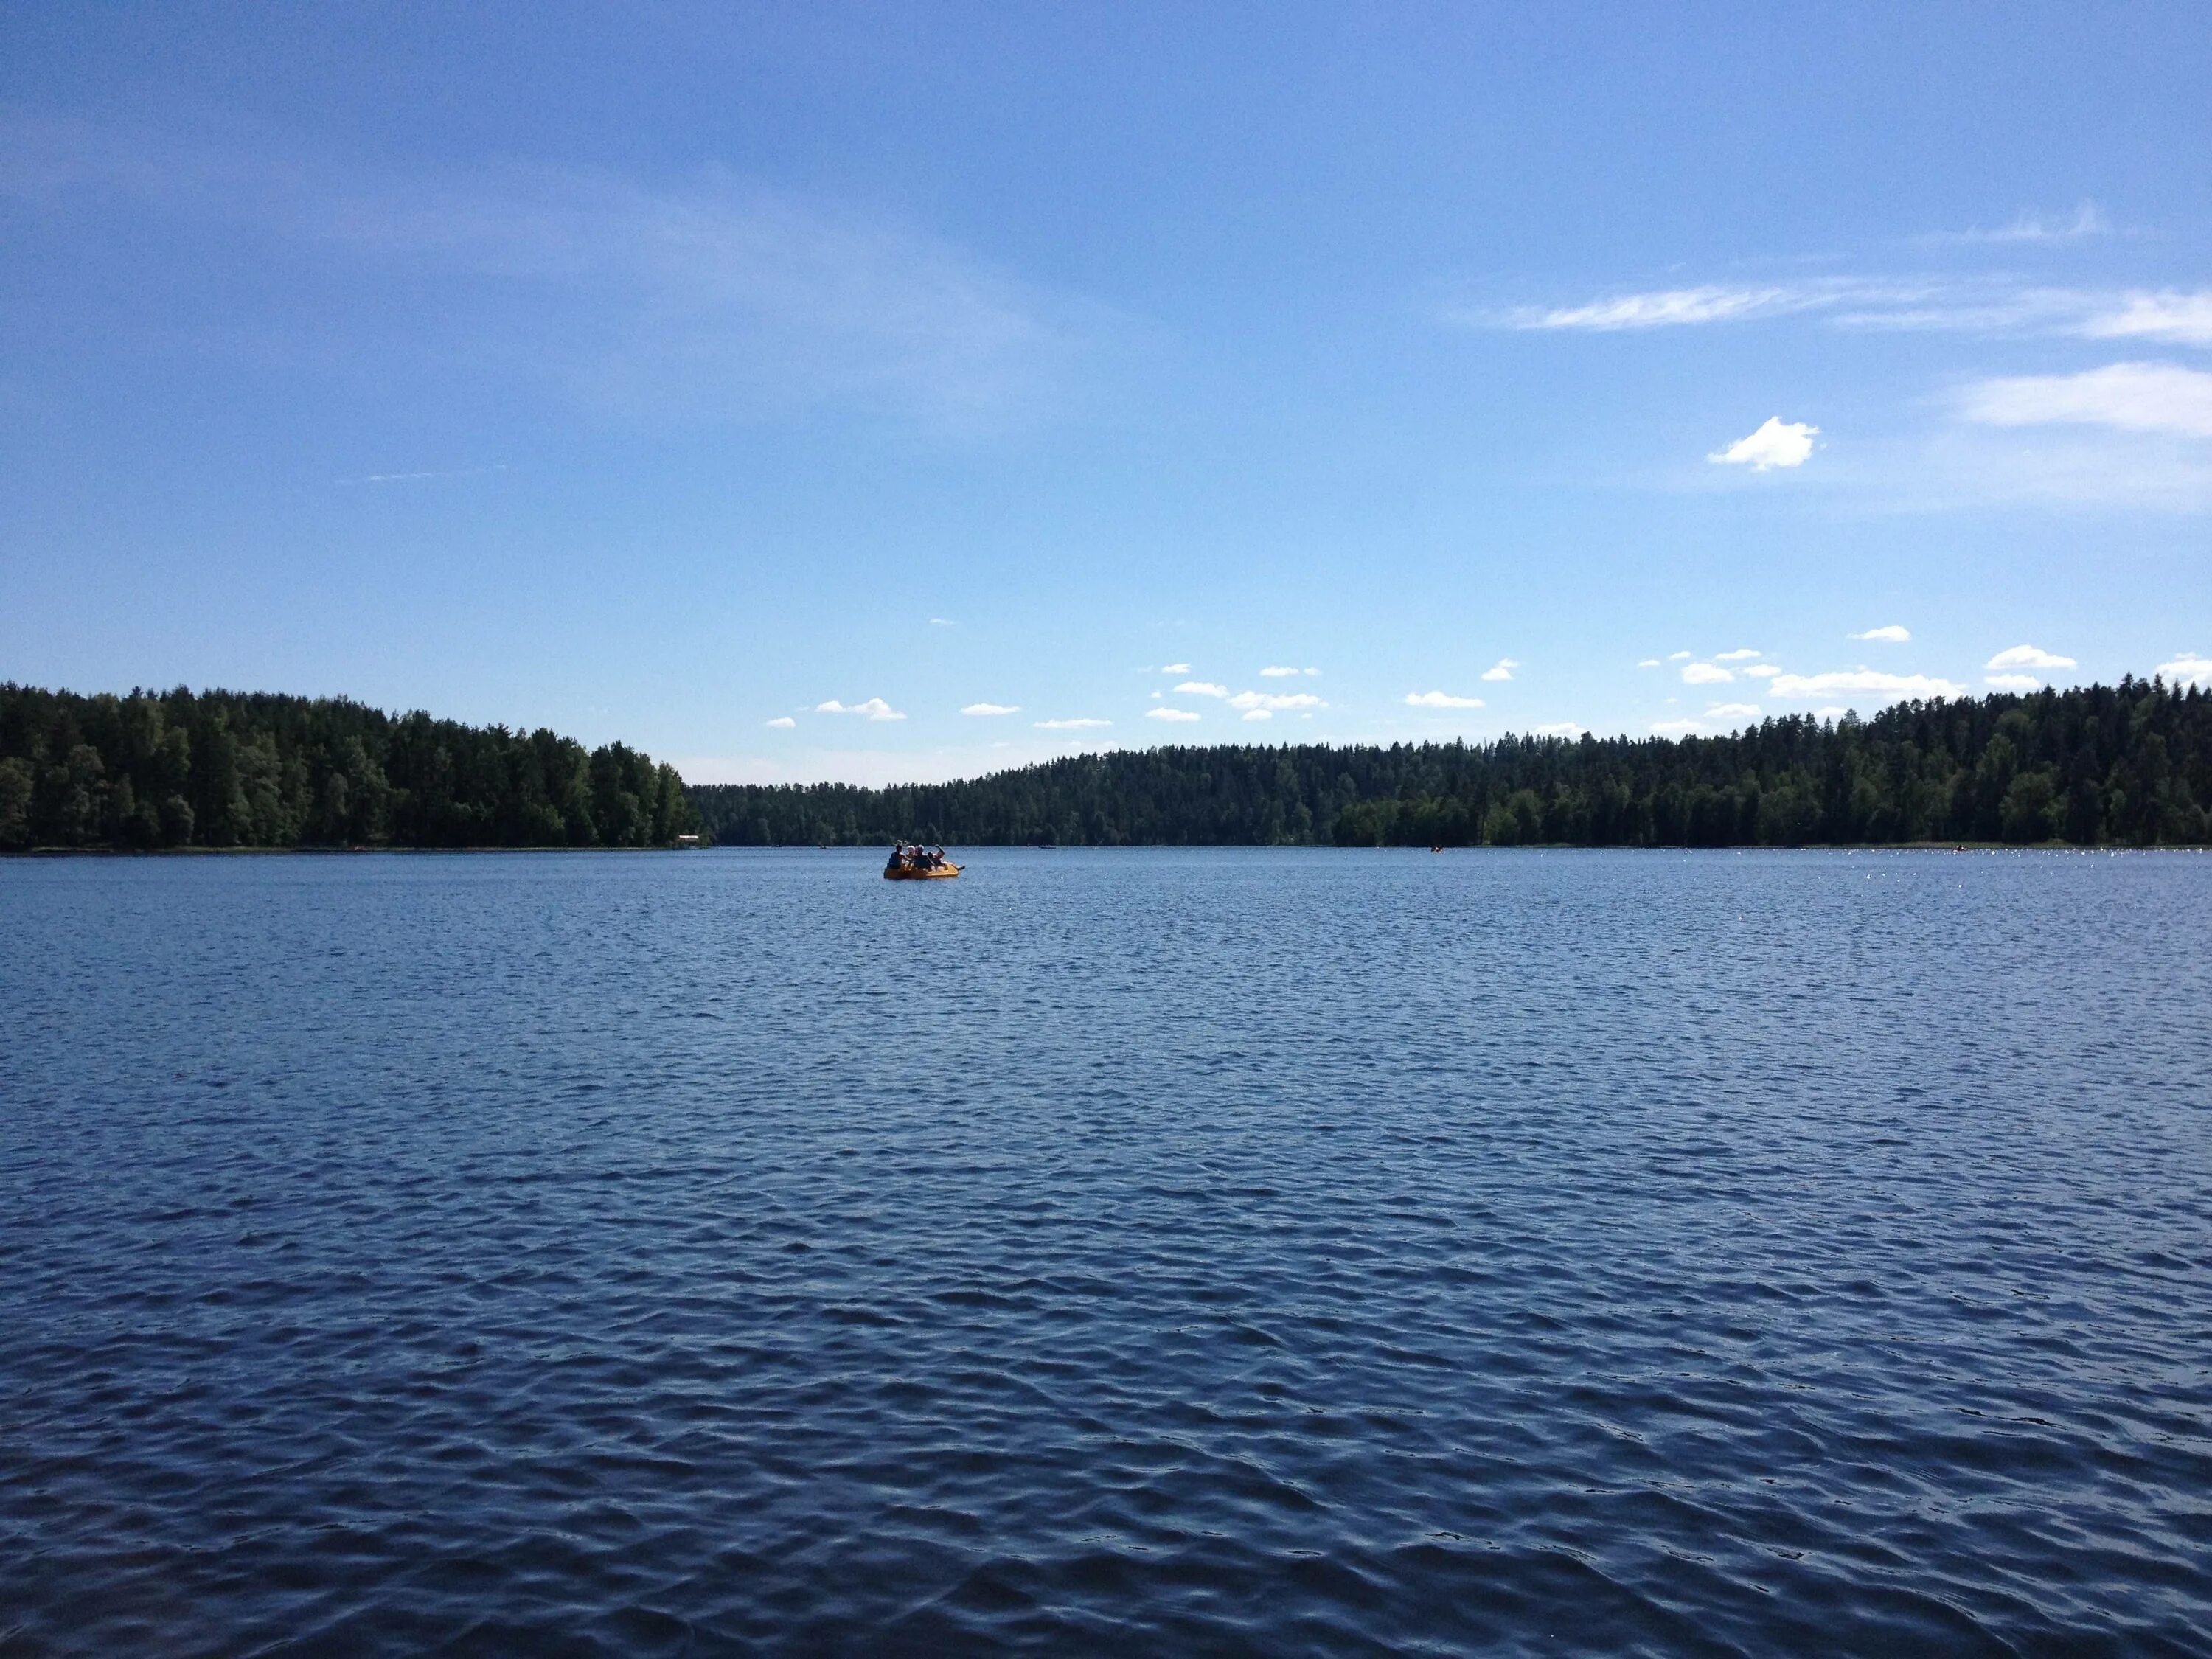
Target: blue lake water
(1122, 1252)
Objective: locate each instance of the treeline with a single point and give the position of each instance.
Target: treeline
(2128, 765)
(226, 768)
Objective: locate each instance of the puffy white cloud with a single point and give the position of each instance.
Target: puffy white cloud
(1284, 673)
(2187, 669)
(1272, 700)
(1863, 682)
(1202, 688)
(1085, 725)
(2012, 682)
(1733, 711)
(1779, 443)
(1558, 729)
(1163, 713)
(1259, 714)
(1680, 656)
(1649, 662)
(1676, 728)
(2132, 397)
(2186, 319)
(1892, 633)
(1501, 669)
(1706, 673)
(783, 722)
(1744, 654)
(993, 708)
(1763, 671)
(2028, 656)
(874, 708)
(1440, 700)
(1176, 668)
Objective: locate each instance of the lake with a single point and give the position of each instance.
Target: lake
(1137, 1252)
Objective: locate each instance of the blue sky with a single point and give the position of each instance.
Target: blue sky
(767, 387)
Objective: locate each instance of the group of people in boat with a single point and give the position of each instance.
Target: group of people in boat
(907, 857)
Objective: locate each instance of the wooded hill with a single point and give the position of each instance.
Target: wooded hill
(228, 768)
(2130, 764)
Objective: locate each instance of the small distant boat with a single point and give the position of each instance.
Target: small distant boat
(920, 864)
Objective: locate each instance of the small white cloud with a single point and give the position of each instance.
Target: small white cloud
(1864, 682)
(1271, 700)
(1069, 725)
(1176, 668)
(1667, 307)
(1676, 728)
(1284, 673)
(1733, 711)
(1893, 634)
(1558, 729)
(1745, 654)
(1779, 443)
(943, 621)
(2187, 669)
(1680, 656)
(1201, 689)
(874, 708)
(1440, 700)
(2132, 397)
(1259, 714)
(783, 722)
(1762, 670)
(1501, 669)
(1163, 713)
(993, 708)
(2012, 682)
(1649, 662)
(2028, 656)
(2185, 319)
(1705, 673)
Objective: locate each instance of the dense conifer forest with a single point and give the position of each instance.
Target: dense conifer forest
(226, 768)
(2129, 765)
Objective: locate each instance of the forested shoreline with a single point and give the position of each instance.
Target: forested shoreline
(2127, 765)
(175, 769)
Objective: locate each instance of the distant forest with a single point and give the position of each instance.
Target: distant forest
(2129, 765)
(226, 768)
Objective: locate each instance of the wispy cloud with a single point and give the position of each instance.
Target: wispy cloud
(2028, 656)
(2132, 397)
(782, 723)
(708, 292)
(1440, 700)
(1733, 711)
(1678, 728)
(1650, 662)
(2087, 219)
(1176, 668)
(1259, 714)
(1165, 712)
(1283, 673)
(1558, 729)
(420, 478)
(2183, 318)
(1077, 724)
(875, 708)
(1501, 669)
(992, 708)
(1672, 308)
(1742, 654)
(1862, 682)
(2012, 682)
(943, 621)
(1892, 633)
(1777, 443)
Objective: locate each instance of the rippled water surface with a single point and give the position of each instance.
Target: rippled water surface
(1144, 1252)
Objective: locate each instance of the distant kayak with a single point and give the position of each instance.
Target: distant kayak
(919, 864)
